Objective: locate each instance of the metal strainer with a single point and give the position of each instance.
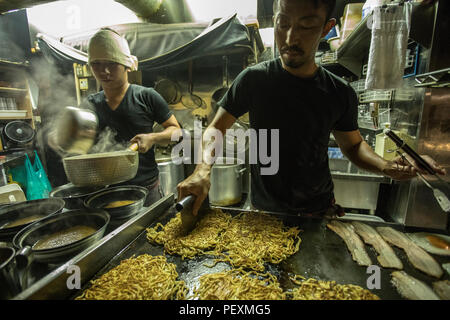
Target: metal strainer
(101, 169)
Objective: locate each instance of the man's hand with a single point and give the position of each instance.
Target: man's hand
(145, 142)
(197, 184)
(405, 169)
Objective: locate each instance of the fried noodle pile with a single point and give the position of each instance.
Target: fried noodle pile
(201, 240)
(252, 239)
(313, 289)
(236, 284)
(143, 278)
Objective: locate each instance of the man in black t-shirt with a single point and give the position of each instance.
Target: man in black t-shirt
(129, 110)
(305, 103)
(307, 110)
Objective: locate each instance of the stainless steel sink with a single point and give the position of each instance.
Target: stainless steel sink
(355, 188)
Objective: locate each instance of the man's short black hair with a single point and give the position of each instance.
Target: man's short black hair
(329, 5)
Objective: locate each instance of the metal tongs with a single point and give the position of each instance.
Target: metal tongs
(440, 196)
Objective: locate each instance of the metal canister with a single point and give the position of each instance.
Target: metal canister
(76, 130)
(226, 182)
(170, 175)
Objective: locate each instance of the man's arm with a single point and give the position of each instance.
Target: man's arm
(198, 183)
(147, 140)
(361, 154)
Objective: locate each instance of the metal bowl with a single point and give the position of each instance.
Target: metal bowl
(76, 130)
(72, 195)
(26, 209)
(27, 237)
(122, 193)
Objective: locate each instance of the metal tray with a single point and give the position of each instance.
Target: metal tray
(323, 255)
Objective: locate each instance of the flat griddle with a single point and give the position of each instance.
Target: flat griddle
(323, 255)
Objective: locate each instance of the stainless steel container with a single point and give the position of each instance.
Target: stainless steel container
(170, 175)
(226, 182)
(359, 191)
(76, 130)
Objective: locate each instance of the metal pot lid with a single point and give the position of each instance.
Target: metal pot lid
(19, 131)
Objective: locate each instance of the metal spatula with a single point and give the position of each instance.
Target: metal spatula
(188, 220)
(440, 196)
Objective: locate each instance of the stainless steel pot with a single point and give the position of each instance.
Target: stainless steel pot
(226, 182)
(170, 175)
(29, 236)
(122, 193)
(76, 130)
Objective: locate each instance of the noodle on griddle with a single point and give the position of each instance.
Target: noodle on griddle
(252, 239)
(313, 289)
(238, 285)
(143, 278)
(201, 240)
(248, 240)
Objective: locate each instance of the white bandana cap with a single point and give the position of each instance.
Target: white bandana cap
(108, 45)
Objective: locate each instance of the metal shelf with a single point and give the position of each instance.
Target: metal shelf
(13, 90)
(6, 63)
(355, 47)
(435, 79)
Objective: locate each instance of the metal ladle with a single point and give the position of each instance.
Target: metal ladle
(191, 100)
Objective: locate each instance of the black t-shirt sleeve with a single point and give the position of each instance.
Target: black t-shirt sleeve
(349, 118)
(237, 99)
(157, 104)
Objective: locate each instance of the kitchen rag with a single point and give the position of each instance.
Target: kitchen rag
(108, 45)
(387, 54)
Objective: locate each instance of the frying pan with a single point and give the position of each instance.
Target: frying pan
(101, 199)
(41, 208)
(72, 195)
(191, 100)
(219, 93)
(101, 169)
(26, 238)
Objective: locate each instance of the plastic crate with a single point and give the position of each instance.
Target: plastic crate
(375, 96)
